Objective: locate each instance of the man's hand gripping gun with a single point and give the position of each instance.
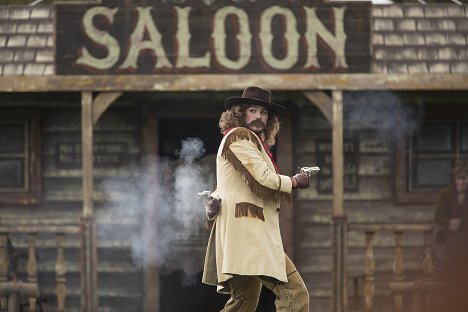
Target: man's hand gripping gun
(212, 204)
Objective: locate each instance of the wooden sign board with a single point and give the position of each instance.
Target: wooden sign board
(201, 36)
(325, 162)
(108, 154)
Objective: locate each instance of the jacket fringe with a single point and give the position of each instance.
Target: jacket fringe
(242, 134)
(256, 188)
(249, 210)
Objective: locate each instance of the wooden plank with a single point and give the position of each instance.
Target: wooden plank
(374, 165)
(337, 153)
(420, 227)
(225, 82)
(87, 153)
(69, 229)
(151, 272)
(419, 285)
(378, 188)
(339, 243)
(89, 299)
(88, 261)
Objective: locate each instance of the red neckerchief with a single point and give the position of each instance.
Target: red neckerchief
(227, 131)
(265, 146)
(270, 154)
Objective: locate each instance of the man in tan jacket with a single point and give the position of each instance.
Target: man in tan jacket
(245, 250)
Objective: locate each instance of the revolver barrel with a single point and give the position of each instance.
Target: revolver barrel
(309, 170)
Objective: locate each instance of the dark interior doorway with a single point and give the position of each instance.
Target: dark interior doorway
(172, 131)
(175, 294)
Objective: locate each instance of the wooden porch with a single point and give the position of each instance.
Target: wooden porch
(414, 285)
(99, 92)
(12, 286)
(411, 278)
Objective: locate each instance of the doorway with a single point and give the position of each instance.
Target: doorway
(175, 293)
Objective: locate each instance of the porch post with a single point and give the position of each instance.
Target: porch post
(339, 244)
(88, 256)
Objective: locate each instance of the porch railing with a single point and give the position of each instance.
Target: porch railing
(11, 287)
(399, 287)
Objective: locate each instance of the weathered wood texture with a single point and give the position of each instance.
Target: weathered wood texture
(206, 82)
(150, 150)
(120, 144)
(406, 38)
(28, 32)
(213, 38)
(32, 169)
(372, 202)
(61, 206)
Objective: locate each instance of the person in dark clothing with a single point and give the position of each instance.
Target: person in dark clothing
(450, 245)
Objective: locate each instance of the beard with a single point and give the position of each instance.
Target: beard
(257, 123)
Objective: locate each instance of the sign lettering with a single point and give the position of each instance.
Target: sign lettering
(325, 162)
(104, 154)
(133, 38)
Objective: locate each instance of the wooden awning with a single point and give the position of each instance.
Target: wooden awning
(226, 82)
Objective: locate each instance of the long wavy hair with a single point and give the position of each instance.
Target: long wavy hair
(235, 117)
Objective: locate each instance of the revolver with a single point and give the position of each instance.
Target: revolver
(204, 195)
(309, 170)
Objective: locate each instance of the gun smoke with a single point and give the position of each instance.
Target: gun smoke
(157, 211)
(384, 113)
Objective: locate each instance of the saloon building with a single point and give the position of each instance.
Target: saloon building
(108, 118)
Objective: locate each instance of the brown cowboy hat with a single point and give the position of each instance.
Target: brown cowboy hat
(255, 96)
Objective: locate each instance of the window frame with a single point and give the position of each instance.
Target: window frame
(404, 193)
(32, 196)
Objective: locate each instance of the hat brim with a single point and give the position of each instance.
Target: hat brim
(275, 108)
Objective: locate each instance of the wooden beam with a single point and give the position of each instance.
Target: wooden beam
(226, 82)
(340, 264)
(23, 288)
(374, 227)
(87, 152)
(88, 266)
(337, 153)
(88, 250)
(150, 153)
(339, 294)
(102, 102)
(59, 229)
(405, 288)
(322, 101)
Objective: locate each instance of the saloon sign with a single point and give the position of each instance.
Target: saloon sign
(212, 37)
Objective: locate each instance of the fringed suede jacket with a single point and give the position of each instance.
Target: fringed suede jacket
(245, 238)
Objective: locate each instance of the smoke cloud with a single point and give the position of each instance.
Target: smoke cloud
(383, 112)
(160, 215)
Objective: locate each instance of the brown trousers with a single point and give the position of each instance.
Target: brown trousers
(291, 296)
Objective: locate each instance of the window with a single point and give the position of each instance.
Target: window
(19, 159)
(429, 157)
(14, 138)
